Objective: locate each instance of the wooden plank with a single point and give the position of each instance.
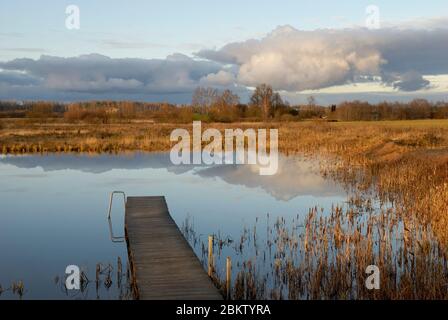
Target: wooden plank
(163, 264)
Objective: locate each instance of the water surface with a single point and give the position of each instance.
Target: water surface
(54, 207)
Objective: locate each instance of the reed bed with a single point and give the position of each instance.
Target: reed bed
(326, 254)
(402, 166)
(17, 289)
(108, 281)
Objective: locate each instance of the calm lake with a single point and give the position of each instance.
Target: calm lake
(53, 213)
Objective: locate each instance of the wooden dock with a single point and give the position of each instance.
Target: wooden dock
(163, 265)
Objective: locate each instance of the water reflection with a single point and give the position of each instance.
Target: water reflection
(54, 209)
(295, 176)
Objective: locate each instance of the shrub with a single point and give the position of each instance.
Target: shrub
(76, 113)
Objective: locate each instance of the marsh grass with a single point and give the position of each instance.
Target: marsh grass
(105, 278)
(325, 256)
(395, 218)
(17, 288)
(402, 165)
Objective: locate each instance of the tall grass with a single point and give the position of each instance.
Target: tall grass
(326, 256)
(405, 163)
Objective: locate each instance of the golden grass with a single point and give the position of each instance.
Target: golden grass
(405, 162)
(326, 257)
(18, 136)
(443, 123)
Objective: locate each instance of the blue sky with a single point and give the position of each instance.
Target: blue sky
(156, 29)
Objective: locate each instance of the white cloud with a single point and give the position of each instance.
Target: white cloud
(221, 78)
(294, 60)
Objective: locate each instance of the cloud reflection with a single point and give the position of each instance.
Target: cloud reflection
(296, 176)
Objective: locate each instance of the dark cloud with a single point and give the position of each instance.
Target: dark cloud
(423, 51)
(99, 74)
(411, 81)
(17, 79)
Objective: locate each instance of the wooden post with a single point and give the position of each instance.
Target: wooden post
(228, 276)
(97, 277)
(119, 271)
(210, 256)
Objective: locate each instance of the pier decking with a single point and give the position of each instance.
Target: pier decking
(163, 264)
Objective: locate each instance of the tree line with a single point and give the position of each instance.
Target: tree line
(212, 105)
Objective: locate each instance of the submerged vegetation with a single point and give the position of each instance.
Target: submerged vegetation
(17, 289)
(325, 255)
(107, 280)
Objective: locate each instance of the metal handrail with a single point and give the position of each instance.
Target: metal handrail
(112, 198)
(111, 232)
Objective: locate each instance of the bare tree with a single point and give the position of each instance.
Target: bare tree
(204, 98)
(265, 98)
(311, 101)
(262, 97)
(227, 100)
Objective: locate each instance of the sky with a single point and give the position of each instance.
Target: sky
(162, 50)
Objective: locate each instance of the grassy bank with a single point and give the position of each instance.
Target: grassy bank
(55, 135)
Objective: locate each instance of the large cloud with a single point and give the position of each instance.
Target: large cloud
(289, 59)
(98, 74)
(295, 60)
